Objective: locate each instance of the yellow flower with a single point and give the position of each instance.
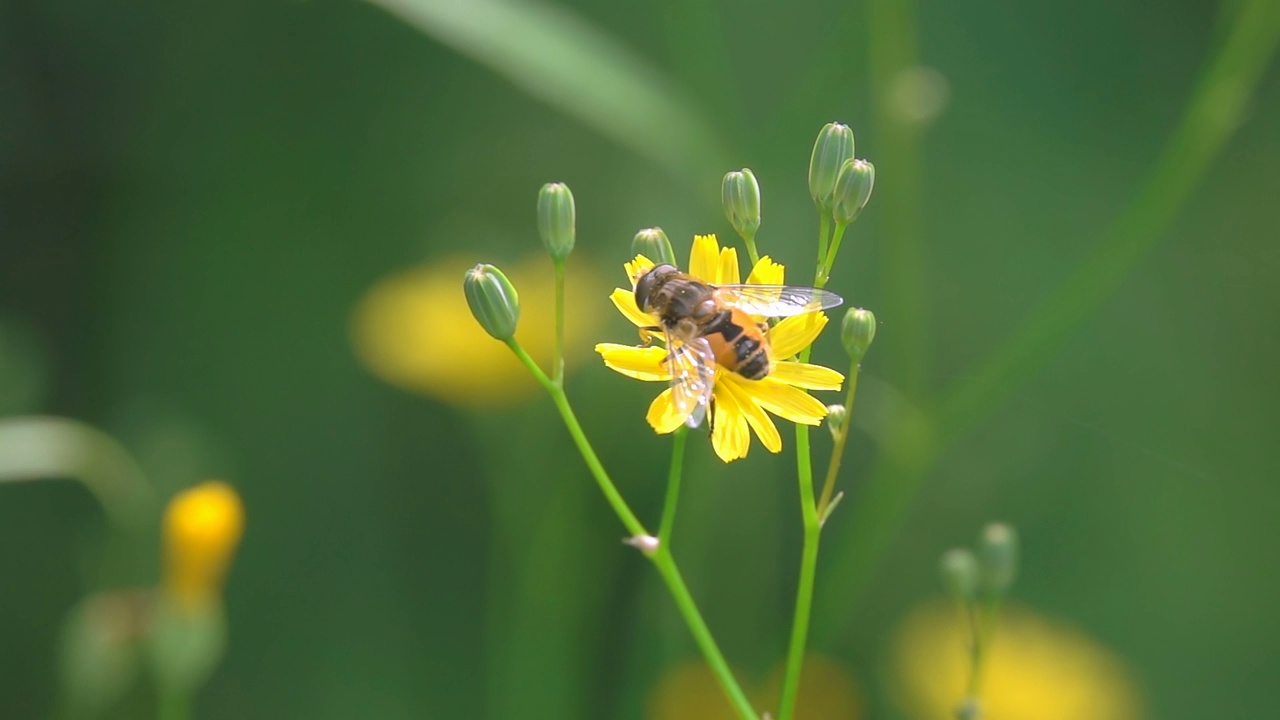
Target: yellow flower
(739, 403)
(202, 527)
(413, 329)
(1036, 668)
(689, 691)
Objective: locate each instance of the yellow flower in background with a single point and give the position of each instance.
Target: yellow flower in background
(413, 329)
(689, 691)
(739, 403)
(1036, 669)
(202, 528)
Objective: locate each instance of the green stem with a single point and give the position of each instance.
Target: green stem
(557, 366)
(824, 231)
(662, 558)
(824, 270)
(837, 452)
(673, 487)
(808, 571)
(666, 565)
(751, 249)
(892, 47)
(611, 494)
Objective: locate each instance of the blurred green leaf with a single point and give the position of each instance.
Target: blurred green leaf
(560, 58)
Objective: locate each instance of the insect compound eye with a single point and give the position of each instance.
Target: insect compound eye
(647, 282)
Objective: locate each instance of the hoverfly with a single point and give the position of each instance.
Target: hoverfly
(708, 325)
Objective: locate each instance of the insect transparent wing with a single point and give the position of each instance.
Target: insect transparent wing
(693, 371)
(777, 300)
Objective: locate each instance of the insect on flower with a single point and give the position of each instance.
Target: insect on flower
(707, 325)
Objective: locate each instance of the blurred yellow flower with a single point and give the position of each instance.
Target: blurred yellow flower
(689, 691)
(202, 528)
(739, 403)
(414, 330)
(1036, 669)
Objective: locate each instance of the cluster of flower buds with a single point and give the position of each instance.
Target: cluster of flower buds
(839, 184)
(987, 574)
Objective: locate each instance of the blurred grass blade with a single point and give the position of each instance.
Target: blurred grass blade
(560, 58)
(52, 448)
(1217, 106)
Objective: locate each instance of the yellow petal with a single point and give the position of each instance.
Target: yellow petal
(625, 301)
(641, 363)
(766, 272)
(663, 416)
(637, 267)
(810, 377)
(794, 334)
(785, 401)
(704, 258)
(730, 438)
(728, 273)
(756, 417)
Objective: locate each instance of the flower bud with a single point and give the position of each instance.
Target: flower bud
(740, 194)
(857, 331)
(202, 528)
(493, 300)
(653, 244)
(998, 556)
(833, 147)
(556, 219)
(853, 190)
(960, 574)
(837, 415)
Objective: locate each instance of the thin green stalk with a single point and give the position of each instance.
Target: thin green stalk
(892, 42)
(673, 487)
(557, 363)
(842, 439)
(824, 270)
(751, 249)
(666, 565)
(824, 231)
(808, 571)
(611, 494)
(661, 559)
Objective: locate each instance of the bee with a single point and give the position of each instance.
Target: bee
(706, 326)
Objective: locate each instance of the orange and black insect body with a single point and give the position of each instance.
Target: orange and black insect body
(688, 308)
(738, 344)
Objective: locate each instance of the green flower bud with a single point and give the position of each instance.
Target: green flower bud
(653, 244)
(556, 219)
(837, 415)
(740, 194)
(833, 147)
(493, 300)
(960, 574)
(853, 190)
(857, 331)
(998, 556)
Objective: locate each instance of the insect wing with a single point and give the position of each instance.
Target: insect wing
(693, 370)
(777, 300)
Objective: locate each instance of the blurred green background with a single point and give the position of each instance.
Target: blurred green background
(196, 196)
